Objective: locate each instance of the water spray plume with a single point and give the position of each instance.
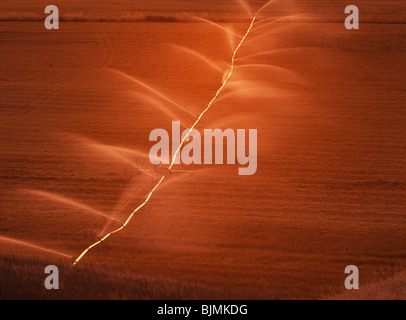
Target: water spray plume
(98, 145)
(231, 35)
(159, 105)
(244, 4)
(265, 92)
(231, 40)
(116, 152)
(228, 31)
(156, 92)
(177, 151)
(286, 73)
(121, 149)
(275, 51)
(128, 195)
(34, 246)
(200, 56)
(70, 202)
(266, 23)
(264, 6)
(264, 66)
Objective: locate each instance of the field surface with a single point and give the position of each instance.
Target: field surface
(329, 107)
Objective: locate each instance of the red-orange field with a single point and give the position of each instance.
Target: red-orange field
(329, 191)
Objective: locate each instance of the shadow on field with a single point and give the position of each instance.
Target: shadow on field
(23, 279)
